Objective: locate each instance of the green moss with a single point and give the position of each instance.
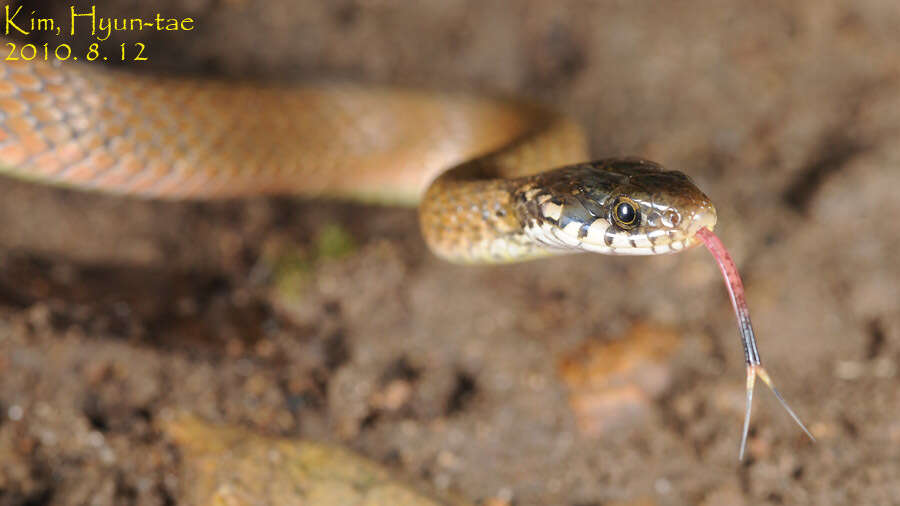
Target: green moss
(293, 269)
(333, 242)
(291, 273)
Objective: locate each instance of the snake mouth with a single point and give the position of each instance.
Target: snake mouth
(686, 237)
(703, 217)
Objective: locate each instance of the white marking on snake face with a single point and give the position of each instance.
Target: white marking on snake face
(617, 240)
(546, 234)
(551, 210)
(602, 248)
(597, 248)
(595, 238)
(655, 235)
(596, 232)
(569, 234)
(641, 241)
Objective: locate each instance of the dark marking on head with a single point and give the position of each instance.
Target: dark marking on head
(608, 236)
(582, 232)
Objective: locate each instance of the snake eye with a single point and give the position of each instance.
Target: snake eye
(625, 213)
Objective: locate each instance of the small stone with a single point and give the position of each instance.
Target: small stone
(613, 383)
(229, 465)
(393, 396)
(15, 412)
(849, 370)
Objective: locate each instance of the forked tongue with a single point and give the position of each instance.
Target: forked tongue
(751, 354)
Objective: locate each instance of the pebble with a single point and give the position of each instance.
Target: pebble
(231, 465)
(612, 383)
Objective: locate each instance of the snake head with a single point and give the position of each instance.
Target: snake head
(617, 206)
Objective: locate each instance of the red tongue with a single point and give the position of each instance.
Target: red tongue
(748, 339)
(735, 291)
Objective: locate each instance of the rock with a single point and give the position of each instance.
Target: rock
(232, 466)
(612, 383)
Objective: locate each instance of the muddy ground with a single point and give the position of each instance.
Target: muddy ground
(332, 321)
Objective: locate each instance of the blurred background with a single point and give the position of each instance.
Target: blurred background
(583, 380)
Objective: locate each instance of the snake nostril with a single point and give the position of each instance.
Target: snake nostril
(673, 217)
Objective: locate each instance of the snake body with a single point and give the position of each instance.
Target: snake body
(496, 180)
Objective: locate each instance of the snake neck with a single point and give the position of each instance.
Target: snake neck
(476, 222)
(474, 212)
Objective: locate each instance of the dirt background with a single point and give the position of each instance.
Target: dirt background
(116, 313)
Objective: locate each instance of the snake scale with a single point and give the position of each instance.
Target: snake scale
(496, 180)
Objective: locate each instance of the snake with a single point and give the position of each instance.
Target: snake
(495, 179)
